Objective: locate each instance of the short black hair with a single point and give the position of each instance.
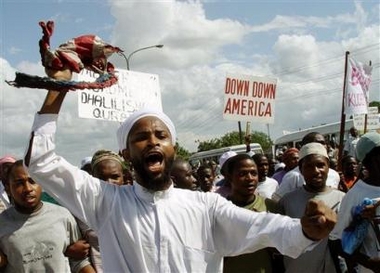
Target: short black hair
(310, 137)
(234, 160)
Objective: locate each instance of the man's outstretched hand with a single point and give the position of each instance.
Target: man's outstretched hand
(318, 220)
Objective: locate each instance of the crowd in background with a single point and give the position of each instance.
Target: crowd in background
(281, 184)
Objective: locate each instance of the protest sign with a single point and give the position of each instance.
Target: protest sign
(357, 88)
(249, 98)
(132, 91)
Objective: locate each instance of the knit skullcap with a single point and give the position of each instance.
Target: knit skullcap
(313, 148)
(126, 126)
(102, 155)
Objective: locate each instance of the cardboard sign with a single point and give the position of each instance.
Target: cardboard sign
(132, 91)
(373, 120)
(249, 98)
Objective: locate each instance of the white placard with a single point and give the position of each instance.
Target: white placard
(132, 91)
(249, 98)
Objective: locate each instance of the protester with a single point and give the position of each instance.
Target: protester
(294, 179)
(266, 186)
(367, 254)
(271, 165)
(34, 235)
(5, 163)
(182, 175)
(224, 186)
(151, 226)
(349, 173)
(350, 144)
(290, 160)
(206, 178)
(243, 176)
(314, 166)
(107, 166)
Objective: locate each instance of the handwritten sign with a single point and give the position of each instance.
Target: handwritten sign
(249, 98)
(132, 91)
(373, 120)
(357, 88)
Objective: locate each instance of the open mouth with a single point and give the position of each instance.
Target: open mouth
(29, 199)
(154, 161)
(251, 187)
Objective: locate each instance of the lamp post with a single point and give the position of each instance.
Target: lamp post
(137, 50)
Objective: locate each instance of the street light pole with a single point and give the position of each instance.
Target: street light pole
(143, 48)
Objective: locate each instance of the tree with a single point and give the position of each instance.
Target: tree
(233, 138)
(375, 103)
(182, 152)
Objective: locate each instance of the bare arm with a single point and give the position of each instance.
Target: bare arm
(54, 99)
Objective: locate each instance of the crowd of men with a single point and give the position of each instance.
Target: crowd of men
(142, 209)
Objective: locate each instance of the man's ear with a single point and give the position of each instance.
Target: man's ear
(300, 167)
(125, 154)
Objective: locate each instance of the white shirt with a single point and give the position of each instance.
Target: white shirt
(350, 145)
(267, 187)
(166, 231)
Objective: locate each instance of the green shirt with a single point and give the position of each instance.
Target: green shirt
(259, 261)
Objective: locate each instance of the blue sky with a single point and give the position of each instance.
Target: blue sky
(302, 43)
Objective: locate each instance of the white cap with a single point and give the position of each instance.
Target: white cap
(125, 128)
(313, 148)
(224, 157)
(85, 161)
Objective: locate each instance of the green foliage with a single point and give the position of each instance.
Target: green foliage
(182, 152)
(375, 103)
(233, 138)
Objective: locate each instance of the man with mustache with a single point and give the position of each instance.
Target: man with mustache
(152, 226)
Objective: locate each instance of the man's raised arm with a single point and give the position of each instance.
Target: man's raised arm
(53, 102)
(54, 99)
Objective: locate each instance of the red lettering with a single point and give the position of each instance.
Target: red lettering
(263, 90)
(248, 108)
(238, 87)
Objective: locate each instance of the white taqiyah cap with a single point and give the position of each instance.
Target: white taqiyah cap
(126, 126)
(85, 161)
(313, 148)
(224, 157)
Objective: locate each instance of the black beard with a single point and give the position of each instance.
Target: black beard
(154, 183)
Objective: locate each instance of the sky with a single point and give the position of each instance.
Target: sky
(300, 43)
